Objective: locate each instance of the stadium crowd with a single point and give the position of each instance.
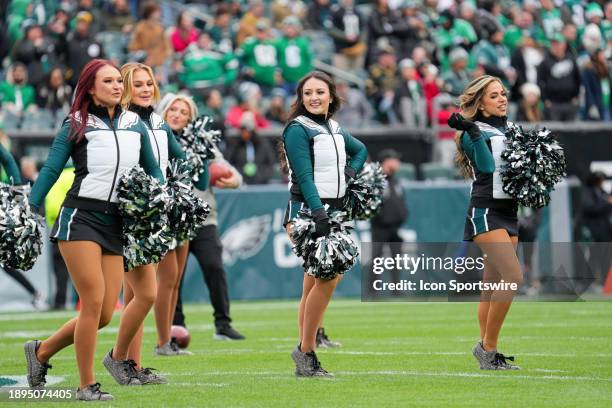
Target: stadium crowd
(397, 62)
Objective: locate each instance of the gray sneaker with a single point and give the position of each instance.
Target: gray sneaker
(171, 348)
(37, 370)
(123, 371)
(492, 360)
(308, 365)
(324, 341)
(92, 393)
(147, 376)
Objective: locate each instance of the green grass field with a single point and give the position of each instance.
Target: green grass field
(393, 355)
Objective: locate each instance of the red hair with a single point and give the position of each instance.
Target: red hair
(82, 99)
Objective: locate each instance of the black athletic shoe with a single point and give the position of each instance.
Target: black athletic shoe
(324, 341)
(227, 333)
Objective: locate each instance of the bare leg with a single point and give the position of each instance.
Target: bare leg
(97, 279)
(142, 282)
(503, 262)
(167, 274)
(315, 306)
(182, 253)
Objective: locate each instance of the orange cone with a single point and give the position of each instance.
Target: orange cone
(607, 289)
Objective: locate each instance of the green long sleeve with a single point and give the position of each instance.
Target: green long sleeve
(10, 165)
(56, 160)
(297, 146)
(147, 158)
(203, 181)
(174, 148)
(356, 151)
(478, 152)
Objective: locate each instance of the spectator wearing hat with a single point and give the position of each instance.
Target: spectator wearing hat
(249, 100)
(559, 82)
(594, 15)
(149, 36)
(393, 210)
(294, 54)
(409, 100)
(530, 105)
(457, 77)
(248, 24)
(16, 95)
(79, 47)
(251, 154)
(526, 58)
(596, 81)
(36, 52)
(347, 31)
(205, 67)
(355, 109)
(97, 23)
(259, 56)
(381, 84)
(452, 32)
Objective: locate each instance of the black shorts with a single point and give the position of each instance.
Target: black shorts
(295, 206)
(74, 224)
(479, 220)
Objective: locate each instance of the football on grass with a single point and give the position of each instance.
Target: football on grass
(181, 335)
(218, 171)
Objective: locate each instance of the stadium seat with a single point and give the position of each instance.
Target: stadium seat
(407, 171)
(438, 171)
(10, 121)
(42, 119)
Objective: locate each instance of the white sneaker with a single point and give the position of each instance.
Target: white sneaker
(39, 301)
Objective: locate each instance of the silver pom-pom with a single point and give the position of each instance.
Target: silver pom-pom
(324, 257)
(535, 162)
(143, 204)
(364, 193)
(187, 212)
(21, 229)
(199, 143)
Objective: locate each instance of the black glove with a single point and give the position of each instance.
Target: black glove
(350, 173)
(322, 227)
(456, 121)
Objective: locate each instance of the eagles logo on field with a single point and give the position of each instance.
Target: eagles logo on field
(245, 238)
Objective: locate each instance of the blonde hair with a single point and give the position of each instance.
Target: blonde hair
(127, 73)
(469, 104)
(169, 100)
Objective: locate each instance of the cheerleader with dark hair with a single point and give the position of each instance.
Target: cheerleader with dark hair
(492, 214)
(105, 142)
(321, 158)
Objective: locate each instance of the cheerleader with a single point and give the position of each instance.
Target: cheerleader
(491, 219)
(321, 157)
(105, 142)
(140, 284)
(178, 111)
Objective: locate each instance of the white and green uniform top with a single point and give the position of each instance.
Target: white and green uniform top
(109, 148)
(317, 152)
(484, 154)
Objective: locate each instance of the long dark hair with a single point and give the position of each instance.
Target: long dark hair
(82, 99)
(298, 108)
